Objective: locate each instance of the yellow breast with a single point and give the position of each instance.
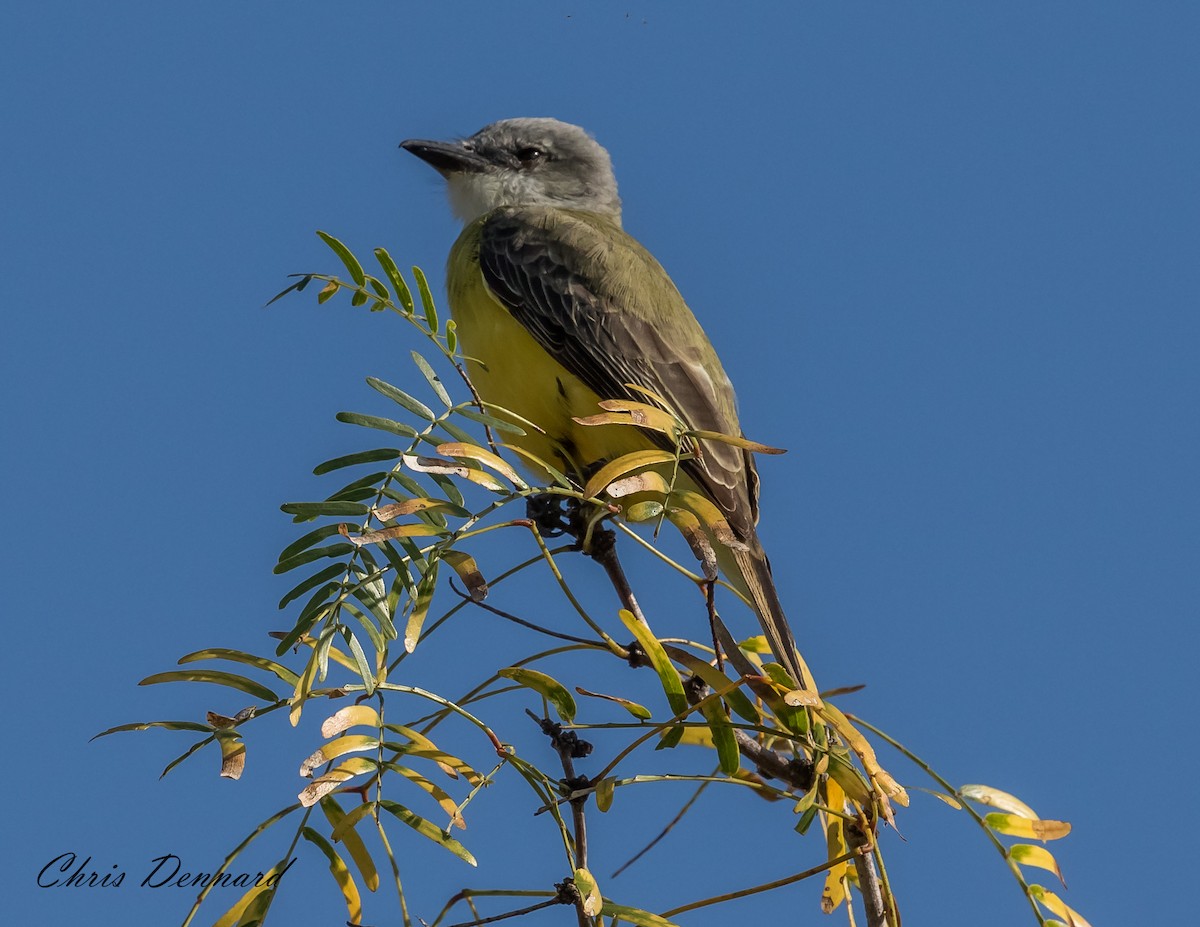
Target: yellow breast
(511, 369)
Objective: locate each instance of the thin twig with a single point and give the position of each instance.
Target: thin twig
(566, 589)
(508, 914)
(487, 429)
(492, 583)
(765, 887)
(687, 805)
(521, 621)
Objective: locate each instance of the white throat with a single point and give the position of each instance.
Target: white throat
(476, 193)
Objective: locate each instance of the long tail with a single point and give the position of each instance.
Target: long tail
(749, 572)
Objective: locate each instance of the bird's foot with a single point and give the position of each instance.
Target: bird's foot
(553, 515)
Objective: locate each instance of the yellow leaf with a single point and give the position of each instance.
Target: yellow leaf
(417, 530)
(623, 466)
(450, 764)
(689, 526)
(646, 481)
(834, 892)
(347, 822)
(397, 509)
(259, 893)
(605, 418)
(662, 403)
(1029, 855)
(806, 800)
(233, 754)
(605, 789)
(948, 799)
(668, 676)
(744, 443)
(802, 698)
(1036, 829)
(807, 697)
(351, 743)
(835, 798)
(710, 515)
(351, 840)
(866, 753)
(434, 465)
(642, 511)
(589, 892)
(468, 571)
(303, 689)
(485, 457)
(447, 804)
(695, 737)
(624, 412)
(755, 644)
(340, 873)
(422, 746)
(1058, 906)
(323, 785)
(540, 466)
(348, 717)
(849, 779)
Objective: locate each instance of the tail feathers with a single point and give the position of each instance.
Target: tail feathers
(750, 574)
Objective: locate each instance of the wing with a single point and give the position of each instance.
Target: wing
(604, 308)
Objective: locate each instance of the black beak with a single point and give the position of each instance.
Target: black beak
(446, 157)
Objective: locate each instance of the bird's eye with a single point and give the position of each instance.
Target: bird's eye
(530, 156)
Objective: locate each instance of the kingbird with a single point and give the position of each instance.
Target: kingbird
(558, 308)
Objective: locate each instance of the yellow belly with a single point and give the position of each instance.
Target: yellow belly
(512, 370)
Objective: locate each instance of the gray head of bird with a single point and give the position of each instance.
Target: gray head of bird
(523, 162)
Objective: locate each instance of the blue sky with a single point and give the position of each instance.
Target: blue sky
(947, 252)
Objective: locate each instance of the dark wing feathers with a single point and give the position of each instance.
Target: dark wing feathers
(626, 324)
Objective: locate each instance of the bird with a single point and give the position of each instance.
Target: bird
(557, 308)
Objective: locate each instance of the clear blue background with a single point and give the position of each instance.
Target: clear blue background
(948, 252)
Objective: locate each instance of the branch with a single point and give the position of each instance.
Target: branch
(569, 748)
(796, 772)
(603, 550)
(868, 877)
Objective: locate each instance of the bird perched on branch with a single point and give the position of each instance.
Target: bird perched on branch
(558, 308)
